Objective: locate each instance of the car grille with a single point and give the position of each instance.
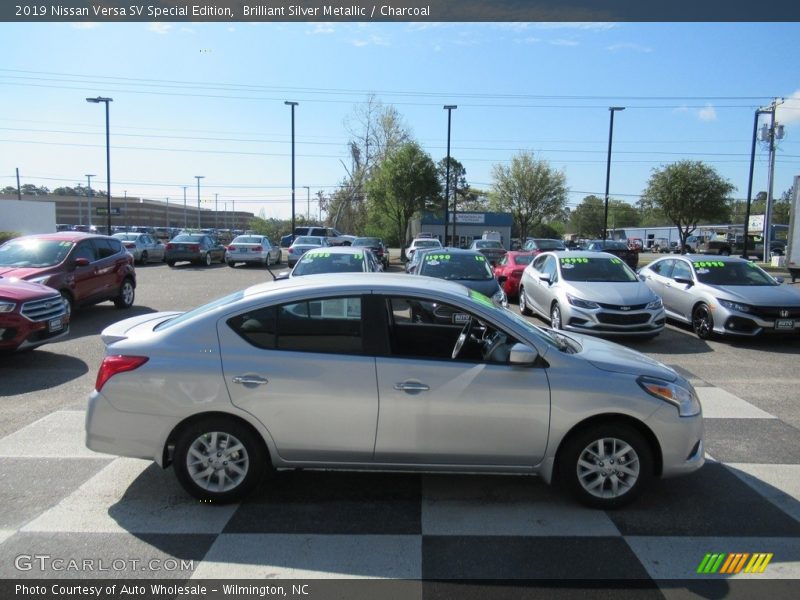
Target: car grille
(774, 312)
(44, 309)
(619, 307)
(615, 319)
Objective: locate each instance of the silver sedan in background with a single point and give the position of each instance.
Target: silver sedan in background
(723, 295)
(143, 246)
(590, 292)
(252, 249)
(303, 244)
(384, 371)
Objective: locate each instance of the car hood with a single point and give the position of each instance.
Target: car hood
(22, 272)
(778, 295)
(622, 293)
(22, 291)
(608, 356)
(134, 326)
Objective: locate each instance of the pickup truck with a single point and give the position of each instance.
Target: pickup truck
(332, 235)
(732, 245)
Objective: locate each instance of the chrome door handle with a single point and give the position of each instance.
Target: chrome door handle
(250, 380)
(411, 386)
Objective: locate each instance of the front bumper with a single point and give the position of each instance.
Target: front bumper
(681, 440)
(608, 322)
(731, 322)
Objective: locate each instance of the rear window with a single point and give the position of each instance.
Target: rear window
(184, 238)
(247, 240)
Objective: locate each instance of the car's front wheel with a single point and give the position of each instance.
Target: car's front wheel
(606, 465)
(555, 317)
(703, 322)
(523, 304)
(219, 460)
(208, 259)
(126, 294)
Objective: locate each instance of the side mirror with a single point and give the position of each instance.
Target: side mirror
(81, 262)
(522, 355)
(545, 278)
(685, 280)
(779, 279)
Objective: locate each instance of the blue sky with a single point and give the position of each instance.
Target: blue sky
(208, 99)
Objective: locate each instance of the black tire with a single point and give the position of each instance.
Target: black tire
(170, 263)
(725, 252)
(523, 305)
(592, 480)
(143, 260)
(555, 317)
(208, 259)
(230, 263)
(251, 458)
(68, 302)
(703, 322)
(127, 294)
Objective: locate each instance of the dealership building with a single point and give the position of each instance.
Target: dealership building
(466, 227)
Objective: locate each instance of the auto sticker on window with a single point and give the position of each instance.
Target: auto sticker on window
(310, 256)
(480, 258)
(616, 261)
(435, 259)
(460, 318)
(478, 297)
(708, 264)
(573, 261)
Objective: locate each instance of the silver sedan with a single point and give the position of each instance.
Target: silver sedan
(384, 371)
(590, 292)
(723, 295)
(252, 249)
(143, 246)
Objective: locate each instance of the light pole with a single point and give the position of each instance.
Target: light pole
(216, 210)
(185, 222)
(308, 203)
(125, 209)
(612, 110)
(449, 108)
(292, 104)
(758, 113)
(89, 197)
(105, 101)
(198, 177)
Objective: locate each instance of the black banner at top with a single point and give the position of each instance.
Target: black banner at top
(400, 10)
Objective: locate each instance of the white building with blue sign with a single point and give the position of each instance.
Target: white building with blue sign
(466, 227)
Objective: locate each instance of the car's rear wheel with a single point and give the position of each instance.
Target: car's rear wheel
(555, 317)
(170, 263)
(219, 460)
(208, 259)
(144, 258)
(126, 295)
(523, 304)
(724, 252)
(703, 322)
(606, 465)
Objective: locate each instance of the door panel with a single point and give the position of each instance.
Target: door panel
(472, 413)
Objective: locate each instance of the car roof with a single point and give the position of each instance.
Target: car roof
(577, 254)
(63, 236)
(336, 250)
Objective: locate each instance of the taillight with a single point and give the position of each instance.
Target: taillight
(195, 247)
(117, 364)
(291, 250)
(258, 249)
(170, 246)
(130, 245)
(231, 248)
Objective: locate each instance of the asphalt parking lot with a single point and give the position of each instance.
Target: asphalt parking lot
(61, 499)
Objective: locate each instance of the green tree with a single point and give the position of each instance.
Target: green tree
(459, 188)
(687, 192)
(404, 184)
(530, 190)
(587, 218)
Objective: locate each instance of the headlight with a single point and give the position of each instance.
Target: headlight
(43, 279)
(737, 306)
(684, 398)
(500, 298)
(6, 307)
(655, 304)
(582, 303)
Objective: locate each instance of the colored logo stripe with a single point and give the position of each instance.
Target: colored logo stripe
(732, 563)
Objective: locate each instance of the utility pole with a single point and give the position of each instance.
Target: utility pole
(89, 198)
(216, 210)
(198, 177)
(449, 108)
(125, 209)
(19, 189)
(185, 222)
(772, 133)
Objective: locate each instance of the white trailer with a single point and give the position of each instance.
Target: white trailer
(793, 239)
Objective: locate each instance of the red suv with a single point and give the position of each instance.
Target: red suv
(31, 314)
(84, 268)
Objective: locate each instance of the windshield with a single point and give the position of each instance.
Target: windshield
(488, 244)
(427, 244)
(314, 263)
(717, 272)
(33, 253)
(463, 267)
(596, 269)
(307, 240)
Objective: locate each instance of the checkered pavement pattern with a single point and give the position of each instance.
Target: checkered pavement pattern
(62, 500)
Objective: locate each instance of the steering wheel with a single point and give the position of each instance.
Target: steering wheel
(463, 337)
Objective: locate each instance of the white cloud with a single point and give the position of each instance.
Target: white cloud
(321, 28)
(231, 29)
(372, 40)
(630, 46)
(528, 40)
(788, 113)
(563, 43)
(157, 27)
(85, 25)
(681, 109)
(578, 25)
(707, 113)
